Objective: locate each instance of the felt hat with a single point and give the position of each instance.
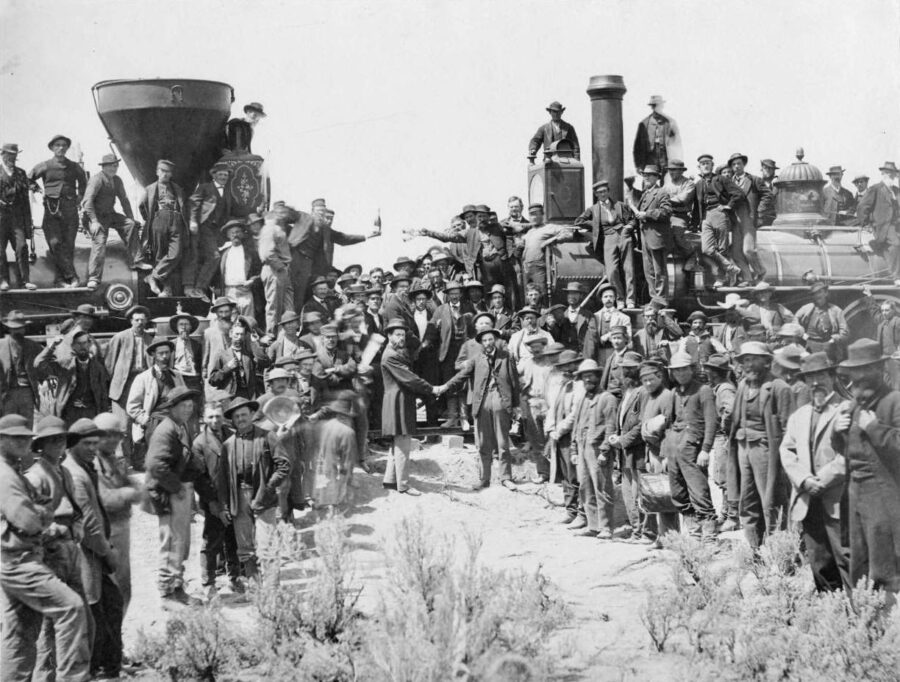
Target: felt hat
(395, 323)
(473, 284)
(536, 341)
(420, 289)
(757, 348)
(238, 403)
(221, 302)
(535, 207)
(818, 285)
(835, 170)
(651, 367)
(815, 362)
(482, 208)
(768, 163)
(346, 278)
(110, 423)
(676, 164)
(554, 348)
(15, 319)
(574, 288)
(278, 373)
(86, 310)
(790, 329)
(311, 316)
(468, 208)
(588, 366)
(631, 359)
(655, 100)
(760, 286)
(396, 279)
(257, 107)
(555, 106)
(403, 260)
(619, 329)
(789, 356)
(81, 428)
(735, 157)
(606, 287)
(717, 361)
(317, 281)
(888, 166)
(498, 289)
(528, 310)
(330, 329)
(342, 406)
(680, 359)
(490, 330)
(15, 425)
(289, 316)
(862, 353)
(10, 148)
(732, 301)
(353, 266)
(173, 321)
(859, 177)
(567, 357)
(552, 309)
(650, 169)
(109, 160)
(232, 223)
(441, 256)
(158, 344)
(134, 310)
(489, 316)
(57, 138)
(165, 164)
(219, 166)
(48, 427)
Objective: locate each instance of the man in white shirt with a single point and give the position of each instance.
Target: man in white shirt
(518, 342)
(275, 256)
(239, 268)
(536, 240)
(597, 341)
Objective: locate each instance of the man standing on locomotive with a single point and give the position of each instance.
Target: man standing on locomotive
(717, 198)
(880, 210)
(64, 186)
(653, 212)
(165, 210)
(15, 217)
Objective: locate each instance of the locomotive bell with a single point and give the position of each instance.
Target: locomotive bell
(799, 201)
(557, 182)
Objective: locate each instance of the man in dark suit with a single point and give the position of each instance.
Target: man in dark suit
(653, 212)
(18, 377)
(717, 198)
(880, 210)
(656, 135)
(746, 219)
(398, 409)
(575, 322)
(495, 400)
(551, 132)
(82, 383)
(839, 204)
(885, 314)
(452, 326)
(15, 217)
(612, 240)
(233, 369)
(319, 302)
(165, 211)
(210, 209)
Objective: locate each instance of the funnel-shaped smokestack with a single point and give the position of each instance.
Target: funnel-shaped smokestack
(175, 119)
(606, 94)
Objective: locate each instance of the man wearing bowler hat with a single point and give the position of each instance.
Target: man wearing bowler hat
(210, 209)
(817, 473)
(612, 240)
(30, 589)
(653, 213)
(839, 204)
(64, 185)
(825, 324)
(868, 428)
(165, 210)
(18, 375)
(15, 217)
(556, 129)
(880, 210)
(99, 205)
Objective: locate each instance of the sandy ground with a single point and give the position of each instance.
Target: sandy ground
(603, 583)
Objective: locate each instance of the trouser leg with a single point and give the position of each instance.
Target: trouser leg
(534, 432)
(274, 288)
(570, 476)
(738, 231)
(603, 483)
(245, 528)
(301, 271)
(750, 252)
(169, 237)
(398, 460)
(120, 538)
(207, 255)
(630, 494)
(12, 233)
(612, 261)
(626, 257)
(108, 613)
(829, 568)
(486, 440)
(213, 542)
(753, 462)
(98, 253)
(714, 240)
(876, 553)
(175, 540)
(587, 486)
(501, 423)
(655, 271)
(696, 479)
(52, 227)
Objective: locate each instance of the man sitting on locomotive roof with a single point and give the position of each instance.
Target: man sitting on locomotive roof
(15, 217)
(99, 205)
(165, 210)
(64, 185)
(880, 210)
(555, 130)
(825, 324)
(839, 206)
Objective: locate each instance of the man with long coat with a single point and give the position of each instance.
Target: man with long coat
(880, 210)
(15, 217)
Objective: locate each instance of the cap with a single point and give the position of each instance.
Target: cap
(81, 428)
(618, 329)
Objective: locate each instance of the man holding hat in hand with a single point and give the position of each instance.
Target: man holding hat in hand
(556, 129)
(64, 186)
(868, 429)
(82, 383)
(15, 217)
(817, 473)
(99, 205)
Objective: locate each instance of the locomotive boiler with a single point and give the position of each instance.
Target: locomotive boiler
(797, 249)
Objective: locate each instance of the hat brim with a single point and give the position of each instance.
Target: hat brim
(393, 327)
(480, 335)
(829, 368)
(56, 433)
(173, 322)
(73, 438)
(582, 372)
(12, 325)
(252, 404)
(851, 364)
(573, 361)
(741, 356)
(18, 432)
(295, 318)
(56, 139)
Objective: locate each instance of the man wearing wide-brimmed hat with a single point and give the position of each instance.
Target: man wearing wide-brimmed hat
(825, 324)
(817, 474)
(64, 185)
(653, 212)
(239, 267)
(18, 376)
(239, 131)
(869, 429)
(597, 338)
(233, 369)
(551, 132)
(99, 205)
(563, 393)
(762, 406)
(772, 314)
(839, 204)
(150, 390)
(880, 210)
(31, 590)
(15, 217)
(682, 194)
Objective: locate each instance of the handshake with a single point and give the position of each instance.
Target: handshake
(439, 390)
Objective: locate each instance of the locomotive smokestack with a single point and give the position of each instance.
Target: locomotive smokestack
(606, 94)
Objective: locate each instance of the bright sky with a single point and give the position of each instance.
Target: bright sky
(417, 108)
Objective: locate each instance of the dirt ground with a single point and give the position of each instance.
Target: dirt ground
(603, 583)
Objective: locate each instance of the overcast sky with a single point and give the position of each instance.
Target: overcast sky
(417, 108)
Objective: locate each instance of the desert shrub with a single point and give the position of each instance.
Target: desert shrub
(444, 615)
(758, 617)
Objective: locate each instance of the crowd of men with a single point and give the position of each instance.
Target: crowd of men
(263, 410)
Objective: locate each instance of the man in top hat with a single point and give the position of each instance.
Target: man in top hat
(657, 139)
(556, 129)
(239, 267)
(172, 476)
(762, 406)
(188, 354)
(150, 390)
(766, 212)
(165, 210)
(210, 208)
(746, 219)
(653, 212)
(64, 186)
(18, 376)
(100, 558)
(31, 590)
(233, 369)
(82, 383)
(275, 256)
(398, 410)
(15, 217)
(861, 183)
(612, 239)
(717, 199)
(239, 131)
(868, 428)
(817, 474)
(99, 205)
(825, 324)
(839, 203)
(682, 194)
(254, 466)
(880, 210)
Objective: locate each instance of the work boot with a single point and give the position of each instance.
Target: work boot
(709, 531)
(692, 526)
(730, 524)
(250, 569)
(579, 523)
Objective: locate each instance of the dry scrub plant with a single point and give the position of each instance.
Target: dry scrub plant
(758, 617)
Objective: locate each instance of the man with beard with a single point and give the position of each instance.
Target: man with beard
(150, 390)
(698, 342)
(762, 406)
(287, 342)
(165, 211)
(18, 376)
(427, 364)
(575, 322)
(233, 369)
(82, 384)
(839, 205)
(817, 474)
(398, 412)
(598, 337)
(825, 324)
(659, 332)
(515, 226)
(335, 366)
(884, 313)
(519, 342)
(880, 210)
(563, 394)
(868, 429)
